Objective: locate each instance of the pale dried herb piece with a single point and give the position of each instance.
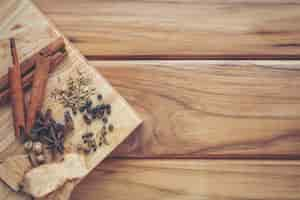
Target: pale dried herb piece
(76, 93)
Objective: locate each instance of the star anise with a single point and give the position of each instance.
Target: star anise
(48, 131)
(55, 140)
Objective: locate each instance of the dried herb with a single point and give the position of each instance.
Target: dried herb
(76, 93)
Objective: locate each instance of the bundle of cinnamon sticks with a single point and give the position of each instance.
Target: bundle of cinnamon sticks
(35, 71)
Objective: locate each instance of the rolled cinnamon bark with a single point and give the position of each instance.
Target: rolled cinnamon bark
(38, 90)
(16, 92)
(27, 78)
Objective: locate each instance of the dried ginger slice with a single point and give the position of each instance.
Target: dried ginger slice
(47, 178)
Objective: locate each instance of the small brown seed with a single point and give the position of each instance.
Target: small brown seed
(87, 119)
(99, 97)
(111, 128)
(87, 135)
(105, 120)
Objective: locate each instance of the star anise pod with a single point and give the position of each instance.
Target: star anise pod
(55, 140)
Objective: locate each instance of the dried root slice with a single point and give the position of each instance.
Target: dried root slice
(47, 178)
(63, 193)
(13, 170)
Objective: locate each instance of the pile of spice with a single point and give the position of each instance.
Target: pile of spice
(77, 96)
(92, 114)
(47, 133)
(76, 93)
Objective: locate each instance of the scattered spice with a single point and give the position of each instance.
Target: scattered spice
(111, 128)
(51, 133)
(105, 120)
(76, 93)
(87, 119)
(99, 97)
(69, 124)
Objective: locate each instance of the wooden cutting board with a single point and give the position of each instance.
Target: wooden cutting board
(32, 31)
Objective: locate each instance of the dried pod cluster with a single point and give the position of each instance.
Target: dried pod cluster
(46, 131)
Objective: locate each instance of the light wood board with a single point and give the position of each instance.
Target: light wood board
(164, 29)
(23, 21)
(192, 180)
(210, 109)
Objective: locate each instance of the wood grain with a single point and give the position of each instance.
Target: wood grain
(33, 36)
(179, 29)
(210, 109)
(191, 180)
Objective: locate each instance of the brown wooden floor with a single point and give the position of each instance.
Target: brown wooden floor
(220, 122)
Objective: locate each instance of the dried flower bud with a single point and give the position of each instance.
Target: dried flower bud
(28, 146)
(37, 147)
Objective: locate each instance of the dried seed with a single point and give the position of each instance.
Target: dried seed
(110, 127)
(105, 120)
(87, 135)
(87, 119)
(68, 121)
(99, 97)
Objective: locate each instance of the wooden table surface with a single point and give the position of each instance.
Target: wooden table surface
(217, 83)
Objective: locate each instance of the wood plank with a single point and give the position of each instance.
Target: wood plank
(191, 179)
(33, 31)
(210, 109)
(179, 29)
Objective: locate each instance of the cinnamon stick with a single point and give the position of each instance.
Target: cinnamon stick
(38, 90)
(17, 96)
(27, 76)
(27, 65)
